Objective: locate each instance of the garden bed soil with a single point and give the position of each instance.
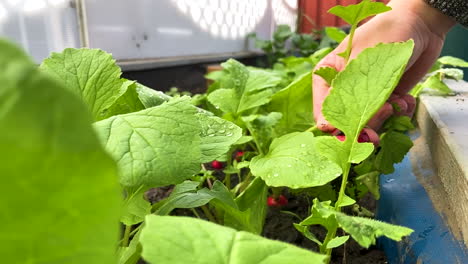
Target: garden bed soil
(279, 226)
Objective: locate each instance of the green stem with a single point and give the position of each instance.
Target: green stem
(245, 182)
(208, 214)
(332, 232)
(350, 43)
(344, 182)
(126, 238)
(194, 211)
(312, 129)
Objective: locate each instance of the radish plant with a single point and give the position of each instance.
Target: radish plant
(85, 146)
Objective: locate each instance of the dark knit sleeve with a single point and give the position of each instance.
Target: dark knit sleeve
(457, 9)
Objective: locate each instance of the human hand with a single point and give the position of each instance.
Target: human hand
(408, 19)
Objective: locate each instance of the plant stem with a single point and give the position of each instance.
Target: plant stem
(245, 182)
(344, 182)
(332, 232)
(350, 43)
(311, 129)
(194, 211)
(208, 214)
(126, 238)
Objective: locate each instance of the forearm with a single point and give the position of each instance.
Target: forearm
(436, 20)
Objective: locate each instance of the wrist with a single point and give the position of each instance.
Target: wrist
(433, 19)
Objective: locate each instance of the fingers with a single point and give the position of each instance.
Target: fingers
(383, 114)
(369, 135)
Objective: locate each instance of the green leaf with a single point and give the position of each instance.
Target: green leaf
(399, 123)
(132, 253)
(127, 103)
(306, 232)
(366, 230)
(243, 140)
(435, 82)
(293, 162)
(353, 14)
(170, 239)
(451, 73)
(358, 93)
(242, 89)
(394, 146)
(60, 197)
(337, 241)
(92, 74)
(335, 34)
(252, 203)
(453, 61)
(371, 181)
(262, 128)
(295, 103)
(321, 216)
(217, 136)
(135, 208)
(166, 144)
(157, 146)
(347, 201)
(186, 195)
(150, 97)
(416, 91)
(327, 73)
(363, 230)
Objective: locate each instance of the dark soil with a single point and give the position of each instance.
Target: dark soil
(279, 226)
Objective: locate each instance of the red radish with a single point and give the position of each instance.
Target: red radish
(272, 201)
(239, 155)
(217, 165)
(280, 201)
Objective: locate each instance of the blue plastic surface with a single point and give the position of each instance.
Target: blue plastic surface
(405, 202)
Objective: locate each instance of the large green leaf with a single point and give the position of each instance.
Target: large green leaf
(136, 207)
(252, 208)
(60, 194)
(150, 97)
(165, 144)
(217, 135)
(394, 146)
(293, 162)
(242, 88)
(157, 146)
(353, 14)
(358, 93)
(295, 103)
(91, 74)
(171, 239)
(128, 102)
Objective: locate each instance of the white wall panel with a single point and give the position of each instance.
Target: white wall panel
(39, 26)
(148, 29)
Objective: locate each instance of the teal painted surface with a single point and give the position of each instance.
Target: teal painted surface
(404, 201)
(456, 44)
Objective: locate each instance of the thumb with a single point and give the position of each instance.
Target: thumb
(321, 89)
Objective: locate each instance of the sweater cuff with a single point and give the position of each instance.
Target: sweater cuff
(456, 9)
